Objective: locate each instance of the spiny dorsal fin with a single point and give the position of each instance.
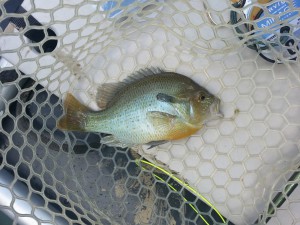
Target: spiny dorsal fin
(107, 91)
(142, 73)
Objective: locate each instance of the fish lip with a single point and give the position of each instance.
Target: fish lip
(214, 109)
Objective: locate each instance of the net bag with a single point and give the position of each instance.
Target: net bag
(240, 169)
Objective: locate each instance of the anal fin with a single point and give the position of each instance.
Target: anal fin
(112, 141)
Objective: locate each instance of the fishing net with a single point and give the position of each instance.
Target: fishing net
(240, 169)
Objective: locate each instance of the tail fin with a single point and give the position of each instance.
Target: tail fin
(76, 115)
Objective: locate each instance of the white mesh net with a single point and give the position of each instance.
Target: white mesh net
(246, 164)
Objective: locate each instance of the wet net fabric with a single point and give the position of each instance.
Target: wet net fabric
(238, 169)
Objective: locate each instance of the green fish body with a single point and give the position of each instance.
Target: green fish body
(151, 106)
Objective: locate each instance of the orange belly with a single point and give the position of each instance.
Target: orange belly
(181, 132)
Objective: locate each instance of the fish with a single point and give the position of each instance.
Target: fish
(151, 107)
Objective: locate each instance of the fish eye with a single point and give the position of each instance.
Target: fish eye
(202, 97)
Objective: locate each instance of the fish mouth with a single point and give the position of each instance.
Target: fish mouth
(214, 108)
(214, 111)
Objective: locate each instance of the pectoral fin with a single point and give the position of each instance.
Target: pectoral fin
(161, 119)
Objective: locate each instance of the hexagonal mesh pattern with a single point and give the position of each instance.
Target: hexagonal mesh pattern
(243, 166)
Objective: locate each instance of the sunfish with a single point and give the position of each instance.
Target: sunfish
(150, 107)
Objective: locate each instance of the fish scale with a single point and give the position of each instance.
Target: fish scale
(132, 118)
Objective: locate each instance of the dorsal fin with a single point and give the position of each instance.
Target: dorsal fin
(107, 91)
(142, 73)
